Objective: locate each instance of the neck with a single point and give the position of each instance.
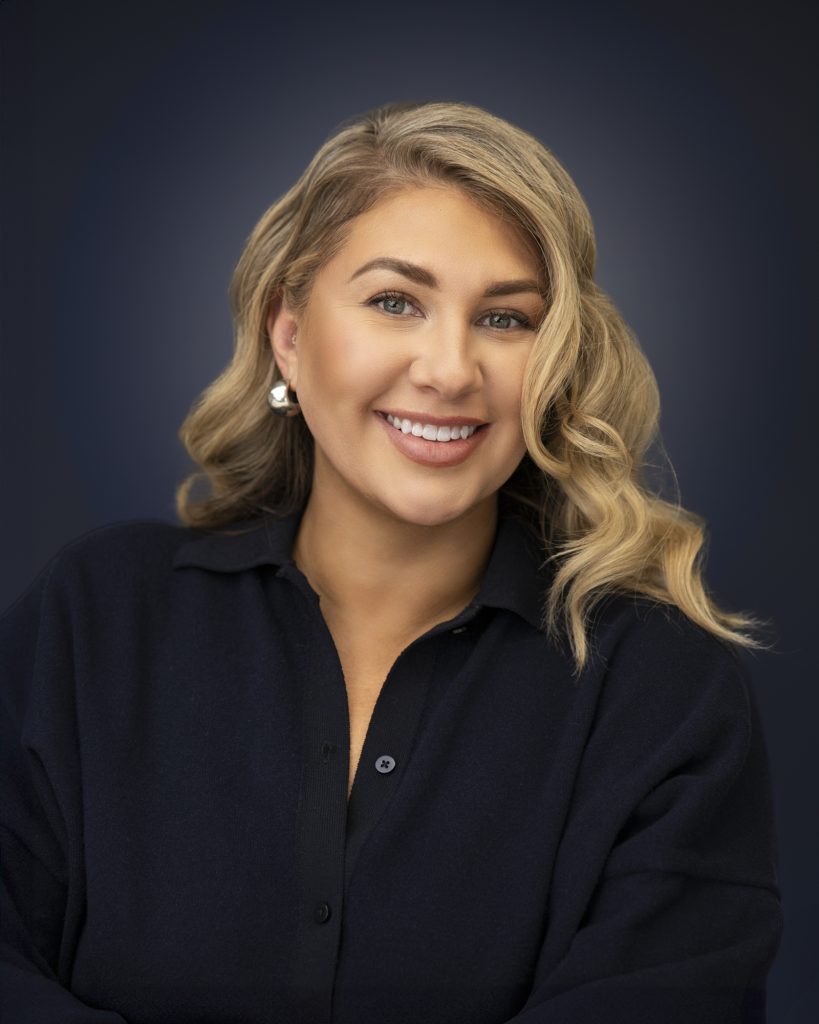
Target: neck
(370, 568)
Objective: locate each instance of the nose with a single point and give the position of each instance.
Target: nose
(447, 362)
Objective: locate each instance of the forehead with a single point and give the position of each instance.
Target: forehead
(442, 228)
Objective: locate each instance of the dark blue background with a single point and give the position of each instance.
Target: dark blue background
(143, 140)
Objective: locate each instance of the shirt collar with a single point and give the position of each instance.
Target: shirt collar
(515, 578)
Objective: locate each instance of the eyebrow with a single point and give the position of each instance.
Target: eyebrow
(421, 275)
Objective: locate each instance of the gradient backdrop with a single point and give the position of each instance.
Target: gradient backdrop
(143, 140)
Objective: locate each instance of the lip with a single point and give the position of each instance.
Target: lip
(437, 421)
(438, 454)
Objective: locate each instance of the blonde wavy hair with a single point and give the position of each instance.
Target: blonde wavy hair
(590, 404)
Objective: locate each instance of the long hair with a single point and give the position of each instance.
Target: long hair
(590, 404)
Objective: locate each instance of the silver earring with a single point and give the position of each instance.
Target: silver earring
(282, 400)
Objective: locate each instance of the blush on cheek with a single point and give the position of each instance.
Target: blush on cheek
(366, 369)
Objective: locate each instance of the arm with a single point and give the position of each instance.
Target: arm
(671, 838)
(41, 894)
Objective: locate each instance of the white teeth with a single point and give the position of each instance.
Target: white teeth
(429, 431)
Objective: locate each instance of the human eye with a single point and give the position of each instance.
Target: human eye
(505, 319)
(393, 303)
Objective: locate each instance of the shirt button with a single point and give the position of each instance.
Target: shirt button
(385, 764)
(322, 913)
(459, 629)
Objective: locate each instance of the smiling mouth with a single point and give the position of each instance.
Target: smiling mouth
(433, 431)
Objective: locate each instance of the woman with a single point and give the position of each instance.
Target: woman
(425, 715)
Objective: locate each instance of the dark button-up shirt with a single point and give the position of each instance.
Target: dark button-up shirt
(520, 844)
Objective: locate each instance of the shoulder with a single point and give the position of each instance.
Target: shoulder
(136, 539)
(107, 561)
(109, 577)
(105, 589)
(654, 628)
(142, 545)
(651, 656)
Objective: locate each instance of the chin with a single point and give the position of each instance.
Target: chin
(427, 517)
(423, 510)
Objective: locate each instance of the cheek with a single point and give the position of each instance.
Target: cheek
(508, 388)
(350, 365)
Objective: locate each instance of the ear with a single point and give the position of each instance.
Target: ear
(281, 330)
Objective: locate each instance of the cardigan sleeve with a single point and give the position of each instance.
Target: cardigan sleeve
(42, 894)
(664, 903)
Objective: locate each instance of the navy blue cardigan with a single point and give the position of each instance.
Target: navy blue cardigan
(520, 844)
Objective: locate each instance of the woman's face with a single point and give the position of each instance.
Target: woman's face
(420, 325)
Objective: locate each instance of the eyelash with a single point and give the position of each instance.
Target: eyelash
(522, 321)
